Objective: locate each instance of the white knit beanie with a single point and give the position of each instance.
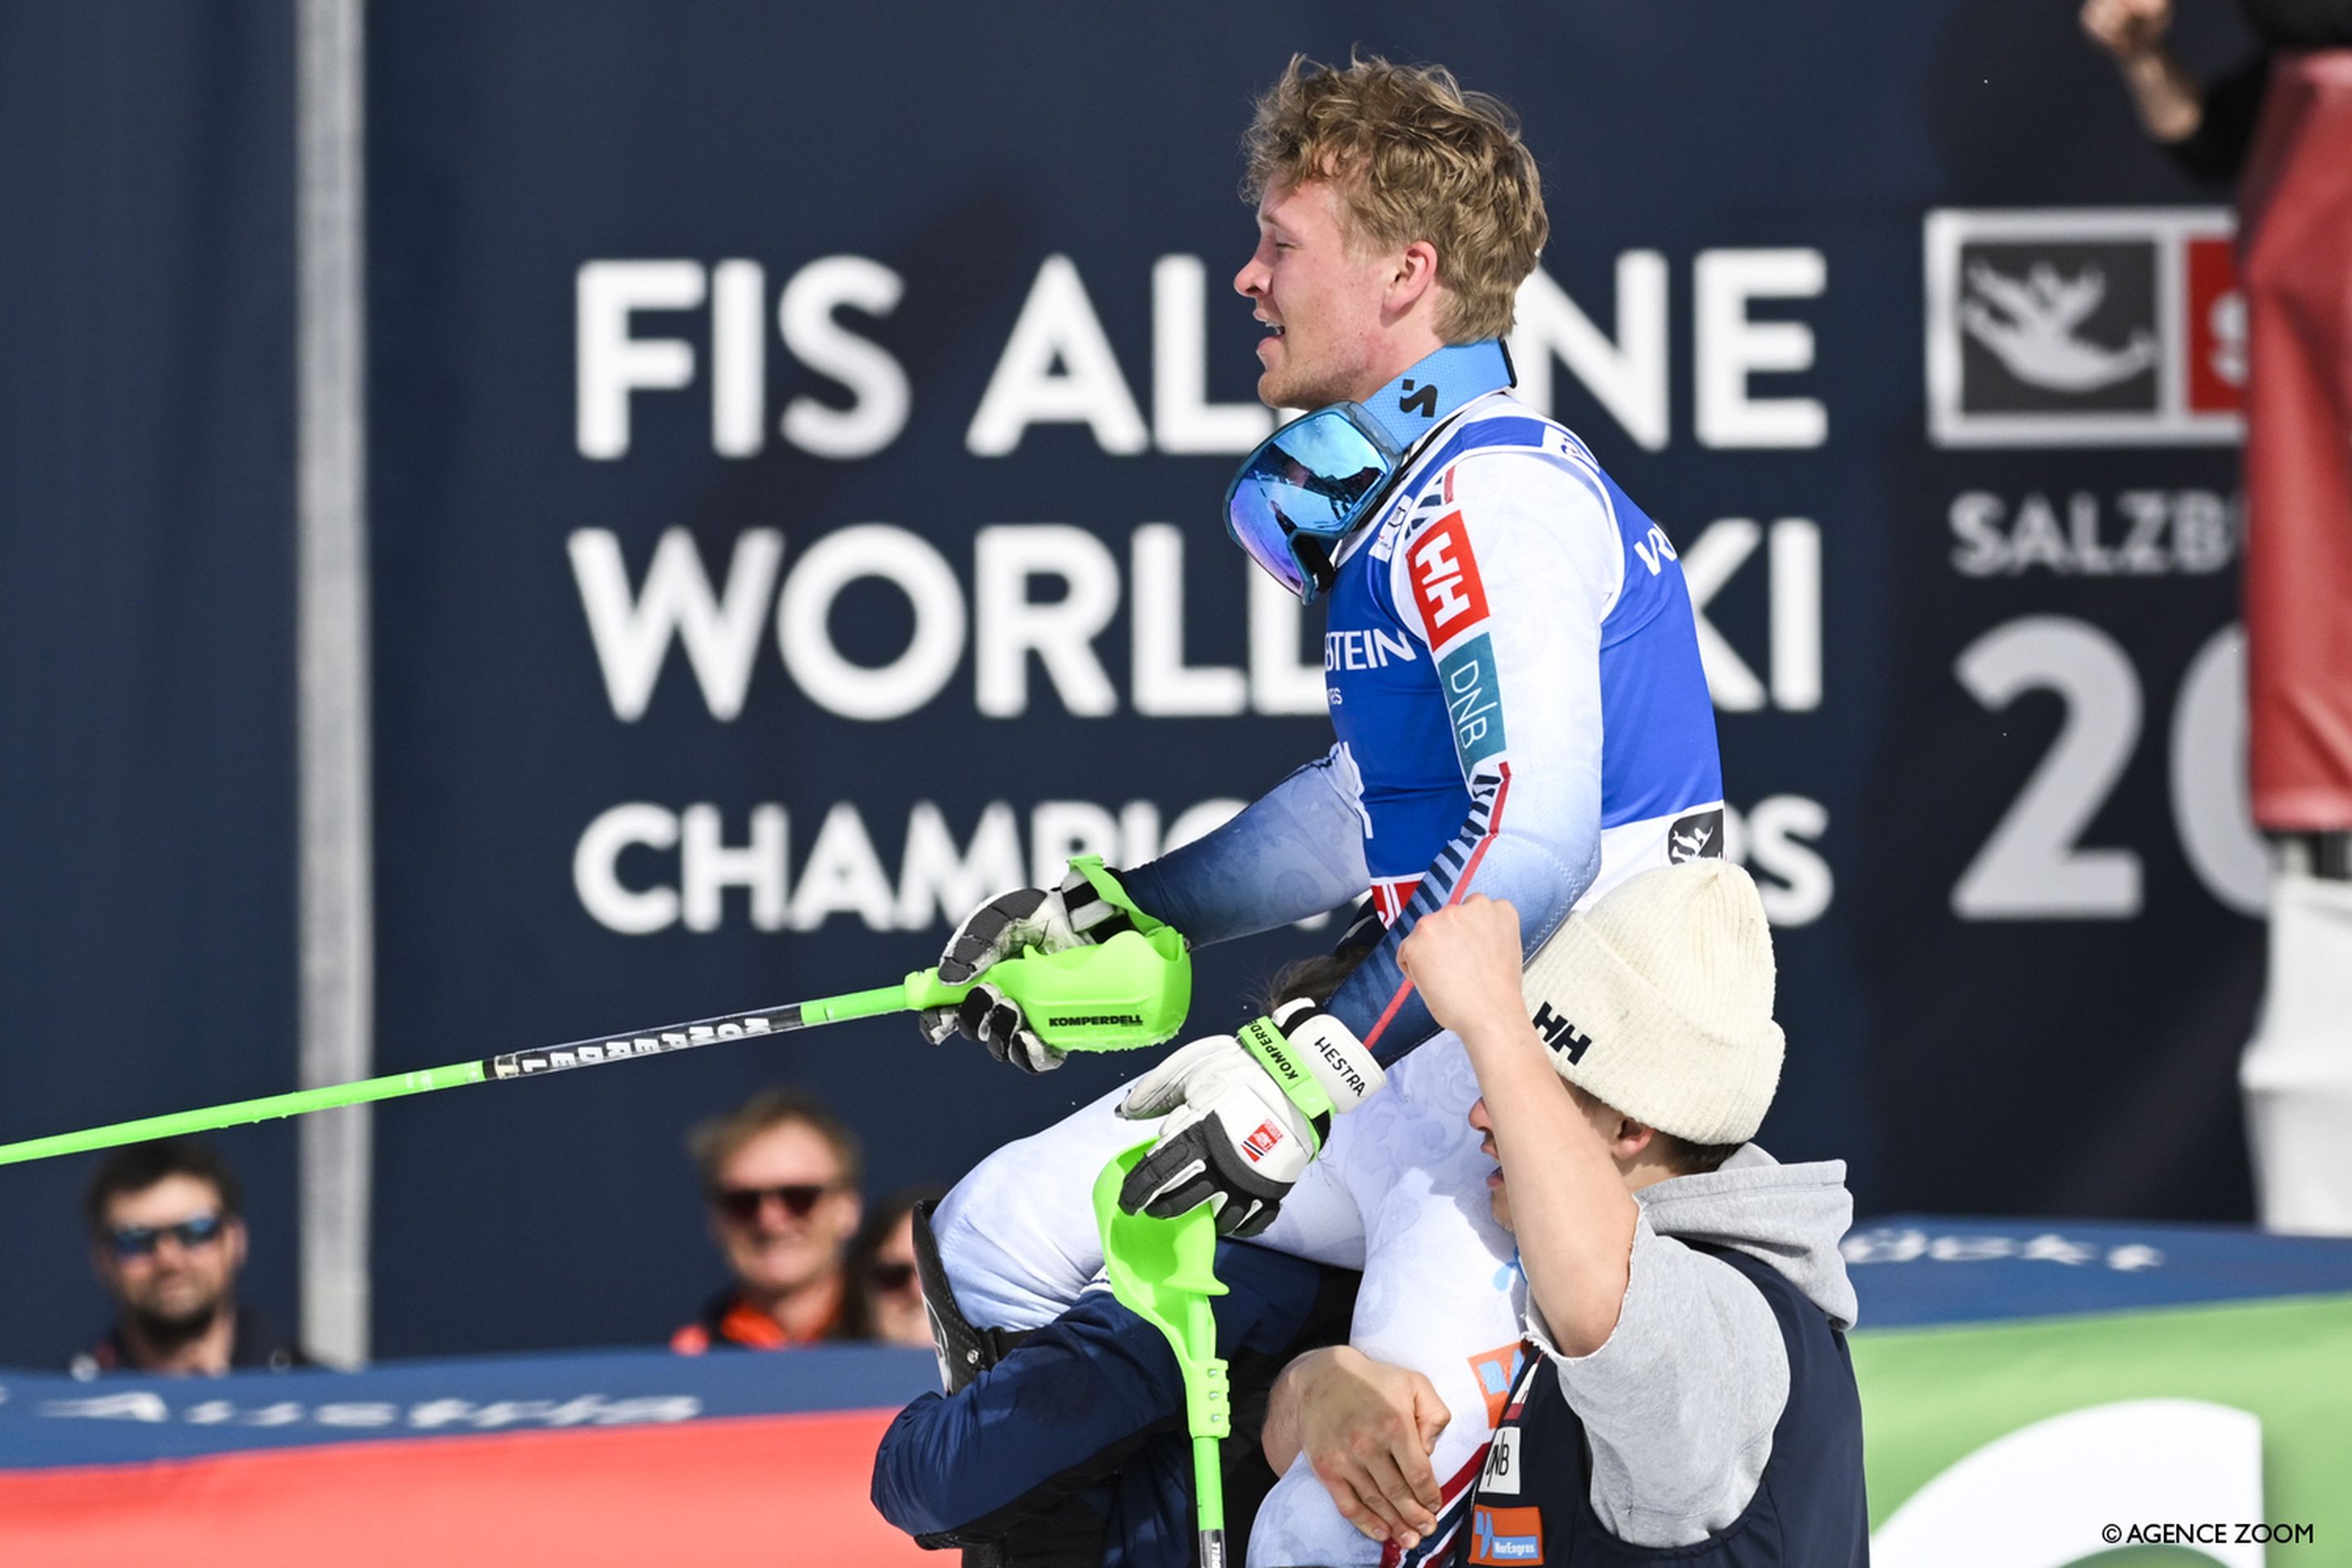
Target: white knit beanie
(1657, 1001)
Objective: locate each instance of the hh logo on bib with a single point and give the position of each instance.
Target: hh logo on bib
(1445, 580)
(1505, 1534)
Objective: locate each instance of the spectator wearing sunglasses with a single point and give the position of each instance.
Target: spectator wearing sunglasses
(167, 1242)
(882, 1265)
(781, 1174)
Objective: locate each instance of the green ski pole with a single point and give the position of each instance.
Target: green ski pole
(1128, 991)
(1165, 1271)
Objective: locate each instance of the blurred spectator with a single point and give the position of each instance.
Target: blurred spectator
(781, 1174)
(883, 1267)
(2282, 125)
(2208, 127)
(167, 1241)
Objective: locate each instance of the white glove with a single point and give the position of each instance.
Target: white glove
(1072, 915)
(1245, 1116)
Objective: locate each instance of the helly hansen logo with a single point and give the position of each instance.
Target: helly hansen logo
(1445, 580)
(1262, 1143)
(1560, 1035)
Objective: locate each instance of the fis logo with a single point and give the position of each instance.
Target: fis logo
(2083, 327)
(1262, 1143)
(1445, 580)
(1698, 837)
(1560, 1035)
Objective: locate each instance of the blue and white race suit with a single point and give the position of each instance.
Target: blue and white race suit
(1513, 674)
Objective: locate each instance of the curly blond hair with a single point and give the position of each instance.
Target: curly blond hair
(1415, 157)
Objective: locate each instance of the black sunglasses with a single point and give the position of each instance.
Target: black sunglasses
(139, 1240)
(741, 1204)
(890, 1277)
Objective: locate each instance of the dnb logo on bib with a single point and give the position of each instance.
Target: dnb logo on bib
(1505, 1534)
(2084, 326)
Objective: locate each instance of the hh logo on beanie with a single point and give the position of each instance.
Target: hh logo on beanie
(1560, 1035)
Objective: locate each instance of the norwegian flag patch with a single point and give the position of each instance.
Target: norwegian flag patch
(1260, 1143)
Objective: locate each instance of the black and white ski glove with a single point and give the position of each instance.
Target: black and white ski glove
(1088, 906)
(1246, 1113)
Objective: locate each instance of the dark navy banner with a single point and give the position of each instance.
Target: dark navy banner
(147, 935)
(796, 448)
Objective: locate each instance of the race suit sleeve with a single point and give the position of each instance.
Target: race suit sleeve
(1297, 851)
(1075, 1399)
(1680, 1402)
(1507, 581)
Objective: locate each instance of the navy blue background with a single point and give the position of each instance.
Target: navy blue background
(2077, 1067)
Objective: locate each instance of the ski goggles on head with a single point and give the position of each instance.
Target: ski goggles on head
(1305, 488)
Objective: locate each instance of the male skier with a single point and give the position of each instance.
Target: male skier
(1514, 675)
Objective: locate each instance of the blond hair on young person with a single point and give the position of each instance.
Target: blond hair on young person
(1414, 156)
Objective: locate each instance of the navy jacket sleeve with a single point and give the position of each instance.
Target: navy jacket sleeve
(1059, 1412)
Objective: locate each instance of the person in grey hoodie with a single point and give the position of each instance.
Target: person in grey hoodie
(1684, 1391)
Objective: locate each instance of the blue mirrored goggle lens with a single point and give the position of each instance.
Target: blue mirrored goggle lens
(1311, 478)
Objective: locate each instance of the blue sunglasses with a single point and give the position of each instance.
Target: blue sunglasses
(1305, 490)
(139, 1240)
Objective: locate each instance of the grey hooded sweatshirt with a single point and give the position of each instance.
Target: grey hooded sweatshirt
(1680, 1403)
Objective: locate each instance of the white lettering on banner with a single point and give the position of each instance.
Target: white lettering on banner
(597, 868)
(1776, 838)
(1628, 377)
(1730, 347)
(1057, 326)
(612, 362)
(609, 363)
(879, 397)
(633, 633)
(1164, 686)
(1182, 419)
(938, 883)
(1711, 561)
(2154, 533)
(1888, 1244)
(632, 630)
(1060, 632)
(1057, 366)
(424, 1415)
(804, 612)
(711, 867)
(844, 875)
(1280, 682)
(738, 359)
(2032, 866)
